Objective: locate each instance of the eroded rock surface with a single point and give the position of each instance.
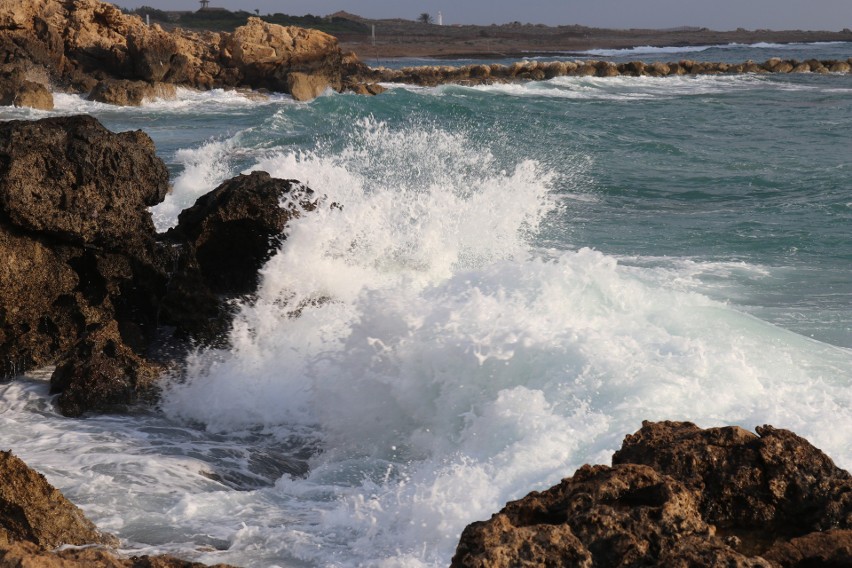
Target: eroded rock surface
(678, 495)
(235, 228)
(91, 47)
(36, 519)
(88, 285)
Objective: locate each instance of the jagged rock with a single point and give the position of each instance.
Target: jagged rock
(32, 510)
(76, 237)
(235, 228)
(17, 88)
(33, 95)
(86, 41)
(678, 495)
(87, 283)
(71, 179)
(101, 373)
(829, 549)
(627, 515)
(774, 481)
(36, 519)
(122, 92)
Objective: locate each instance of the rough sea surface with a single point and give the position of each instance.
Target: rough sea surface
(517, 276)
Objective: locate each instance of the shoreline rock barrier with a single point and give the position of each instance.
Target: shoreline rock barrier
(483, 74)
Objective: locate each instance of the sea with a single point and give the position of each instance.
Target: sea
(500, 283)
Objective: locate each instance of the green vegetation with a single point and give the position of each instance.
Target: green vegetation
(227, 21)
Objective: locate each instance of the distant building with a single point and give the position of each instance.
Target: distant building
(205, 7)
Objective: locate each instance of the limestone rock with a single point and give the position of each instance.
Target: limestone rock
(32, 510)
(266, 54)
(71, 179)
(627, 515)
(123, 92)
(235, 228)
(101, 373)
(678, 495)
(774, 480)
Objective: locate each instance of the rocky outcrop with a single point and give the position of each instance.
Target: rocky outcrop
(479, 74)
(36, 519)
(88, 285)
(235, 228)
(74, 227)
(90, 46)
(677, 495)
(32, 510)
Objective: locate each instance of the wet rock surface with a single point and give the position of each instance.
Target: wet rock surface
(88, 285)
(677, 495)
(235, 228)
(36, 519)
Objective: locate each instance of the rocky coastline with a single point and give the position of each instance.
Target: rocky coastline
(92, 48)
(677, 495)
(89, 286)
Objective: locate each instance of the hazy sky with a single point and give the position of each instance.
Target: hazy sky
(715, 14)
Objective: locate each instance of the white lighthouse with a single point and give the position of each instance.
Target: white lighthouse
(440, 18)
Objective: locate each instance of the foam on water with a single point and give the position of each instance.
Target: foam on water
(445, 367)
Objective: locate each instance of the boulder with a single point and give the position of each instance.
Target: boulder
(69, 178)
(677, 495)
(267, 54)
(237, 227)
(773, 481)
(32, 510)
(101, 374)
(626, 515)
(123, 92)
(77, 239)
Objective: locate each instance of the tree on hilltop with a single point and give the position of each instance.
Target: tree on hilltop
(425, 18)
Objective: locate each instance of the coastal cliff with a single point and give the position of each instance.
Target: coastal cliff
(91, 47)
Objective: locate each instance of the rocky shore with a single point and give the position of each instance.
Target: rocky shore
(92, 48)
(677, 495)
(89, 286)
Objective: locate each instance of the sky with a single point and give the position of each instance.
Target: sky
(831, 15)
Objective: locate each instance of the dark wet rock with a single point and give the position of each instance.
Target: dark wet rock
(69, 178)
(829, 549)
(678, 495)
(101, 373)
(235, 228)
(87, 283)
(78, 242)
(32, 510)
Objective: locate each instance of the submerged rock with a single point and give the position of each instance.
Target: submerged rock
(678, 495)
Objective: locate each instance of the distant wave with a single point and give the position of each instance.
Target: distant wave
(650, 50)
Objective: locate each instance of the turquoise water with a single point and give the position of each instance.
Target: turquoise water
(519, 275)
